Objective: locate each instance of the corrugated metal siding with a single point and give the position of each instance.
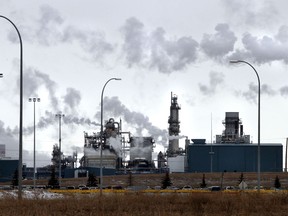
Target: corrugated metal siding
(234, 158)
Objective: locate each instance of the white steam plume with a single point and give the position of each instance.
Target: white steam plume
(219, 44)
(115, 108)
(154, 50)
(216, 79)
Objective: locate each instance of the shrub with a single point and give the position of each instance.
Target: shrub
(166, 182)
(277, 183)
(203, 184)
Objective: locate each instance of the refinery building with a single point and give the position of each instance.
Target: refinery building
(119, 152)
(232, 151)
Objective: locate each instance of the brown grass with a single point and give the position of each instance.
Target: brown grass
(152, 204)
(159, 203)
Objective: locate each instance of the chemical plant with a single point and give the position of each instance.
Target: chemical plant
(120, 152)
(232, 151)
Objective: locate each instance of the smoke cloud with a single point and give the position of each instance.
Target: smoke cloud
(50, 29)
(9, 138)
(115, 143)
(220, 43)
(50, 119)
(49, 23)
(154, 50)
(253, 14)
(264, 49)
(34, 79)
(251, 94)
(115, 108)
(135, 41)
(284, 91)
(72, 99)
(157, 50)
(216, 79)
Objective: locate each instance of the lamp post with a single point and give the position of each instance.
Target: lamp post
(259, 93)
(101, 134)
(21, 111)
(59, 116)
(34, 100)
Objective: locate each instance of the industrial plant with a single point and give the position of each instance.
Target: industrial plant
(117, 151)
(232, 151)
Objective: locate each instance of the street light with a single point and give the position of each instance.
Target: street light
(101, 134)
(34, 100)
(59, 116)
(258, 150)
(21, 111)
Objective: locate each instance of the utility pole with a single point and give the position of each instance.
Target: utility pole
(34, 100)
(60, 116)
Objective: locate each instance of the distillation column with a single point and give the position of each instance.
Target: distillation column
(174, 127)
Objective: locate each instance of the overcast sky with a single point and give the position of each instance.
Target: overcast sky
(71, 48)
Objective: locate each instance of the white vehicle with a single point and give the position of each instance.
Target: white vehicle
(187, 187)
(229, 188)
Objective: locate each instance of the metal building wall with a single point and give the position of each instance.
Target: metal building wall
(7, 169)
(234, 158)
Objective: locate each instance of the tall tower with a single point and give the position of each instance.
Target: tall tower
(233, 132)
(174, 126)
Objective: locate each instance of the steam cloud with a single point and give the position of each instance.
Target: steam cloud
(215, 80)
(284, 91)
(219, 44)
(154, 50)
(252, 93)
(34, 79)
(50, 119)
(51, 30)
(115, 108)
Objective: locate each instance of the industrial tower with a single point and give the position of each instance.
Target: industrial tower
(174, 127)
(233, 132)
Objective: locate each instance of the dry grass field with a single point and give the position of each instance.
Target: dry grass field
(215, 203)
(136, 203)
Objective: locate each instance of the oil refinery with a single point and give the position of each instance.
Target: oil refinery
(232, 151)
(120, 152)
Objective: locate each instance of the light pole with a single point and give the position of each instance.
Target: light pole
(21, 111)
(34, 100)
(259, 93)
(101, 134)
(59, 116)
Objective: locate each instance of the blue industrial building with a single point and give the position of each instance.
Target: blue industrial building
(232, 151)
(233, 157)
(7, 169)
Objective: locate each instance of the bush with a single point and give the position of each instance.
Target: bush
(166, 182)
